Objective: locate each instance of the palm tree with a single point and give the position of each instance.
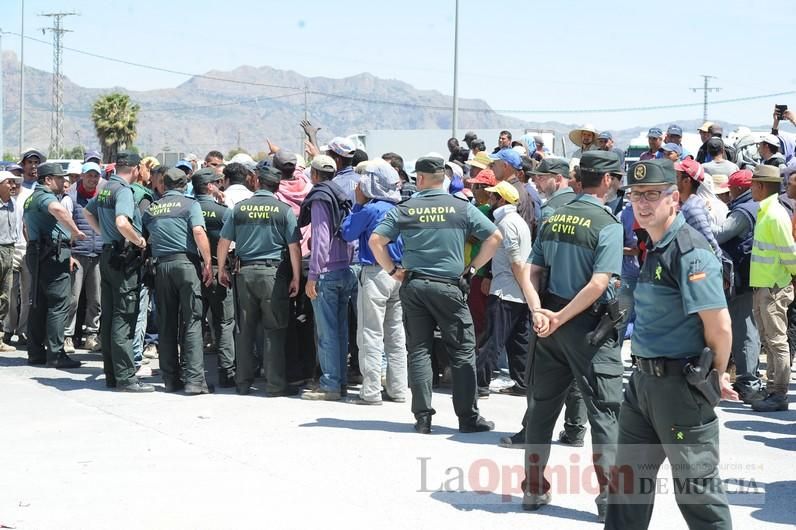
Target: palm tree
(115, 118)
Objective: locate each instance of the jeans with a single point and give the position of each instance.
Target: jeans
(331, 326)
(628, 303)
(745, 343)
(140, 326)
(511, 332)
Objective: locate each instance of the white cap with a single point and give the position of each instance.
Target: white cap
(7, 175)
(75, 168)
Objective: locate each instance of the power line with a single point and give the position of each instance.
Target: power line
(57, 126)
(445, 108)
(706, 89)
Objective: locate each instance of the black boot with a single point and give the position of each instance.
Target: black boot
(477, 425)
(423, 424)
(63, 361)
(226, 380)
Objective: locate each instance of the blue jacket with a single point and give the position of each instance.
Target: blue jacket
(92, 245)
(360, 225)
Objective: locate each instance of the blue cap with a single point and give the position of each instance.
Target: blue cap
(509, 156)
(675, 130)
(184, 164)
(655, 132)
(91, 154)
(605, 135)
(673, 147)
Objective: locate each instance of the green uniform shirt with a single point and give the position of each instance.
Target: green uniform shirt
(262, 227)
(215, 215)
(39, 221)
(170, 223)
(434, 226)
(115, 199)
(559, 199)
(580, 239)
(680, 277)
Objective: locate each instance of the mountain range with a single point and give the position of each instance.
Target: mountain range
(242, 107)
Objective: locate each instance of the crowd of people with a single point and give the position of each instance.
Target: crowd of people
(511, 271)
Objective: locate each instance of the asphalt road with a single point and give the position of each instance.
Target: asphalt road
(77, 456)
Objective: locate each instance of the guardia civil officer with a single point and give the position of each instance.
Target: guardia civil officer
(48, 259)
(176, 230)
(580, 250)
(267, 239)
(217, 297)
(113, 214)
(434, 227)
(680, 309)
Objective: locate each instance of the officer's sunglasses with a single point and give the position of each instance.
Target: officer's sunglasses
(649, 195)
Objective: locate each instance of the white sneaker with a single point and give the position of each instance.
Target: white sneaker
(151, 351)
(92, 344)
(69, 345)
(144, 371)
(500, 383)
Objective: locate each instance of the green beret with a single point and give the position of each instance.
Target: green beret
(205, 175)
(429, 164)
(600, 162)
(658, 171)
(552, 165)
(127, 159)
(50, 170)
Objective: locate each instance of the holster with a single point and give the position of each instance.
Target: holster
(607, 324)
(704, 378)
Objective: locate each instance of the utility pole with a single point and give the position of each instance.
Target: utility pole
(2, 137)
(705, 89)
(57, 125)
(22, 82)
(455, 124)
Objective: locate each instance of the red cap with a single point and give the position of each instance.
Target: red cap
(692, 168)
(742, 179)
(485, 176)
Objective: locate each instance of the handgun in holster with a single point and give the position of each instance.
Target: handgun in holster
(608, 323)
(704, 378)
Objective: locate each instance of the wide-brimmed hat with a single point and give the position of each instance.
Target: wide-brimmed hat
(575, 134)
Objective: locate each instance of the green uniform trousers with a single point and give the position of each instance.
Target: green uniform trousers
(53, 289)
(120, 295)
(263, 304)
(664, 417)
(427, 305)
(557, 360)
(179, 302)
(218, 300)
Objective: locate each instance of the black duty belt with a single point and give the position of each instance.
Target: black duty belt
(438, 279)
(662, 366)
(266, 262)
(556, 303)
(177, 256)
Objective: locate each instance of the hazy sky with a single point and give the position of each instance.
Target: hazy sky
(553, 55)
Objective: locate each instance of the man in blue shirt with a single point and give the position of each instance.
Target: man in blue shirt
(379, 313)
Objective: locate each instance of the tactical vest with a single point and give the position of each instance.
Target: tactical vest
(140, 193)
(213, 213)
(739, 248)
(92, 245)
